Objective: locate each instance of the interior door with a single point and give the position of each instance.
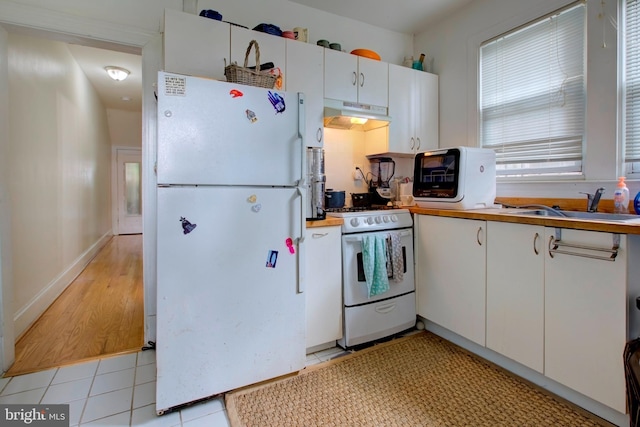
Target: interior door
(129, 191)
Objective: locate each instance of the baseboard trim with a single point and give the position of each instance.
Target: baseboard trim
(31, 311)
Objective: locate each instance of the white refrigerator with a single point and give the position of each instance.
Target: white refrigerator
(231, 222)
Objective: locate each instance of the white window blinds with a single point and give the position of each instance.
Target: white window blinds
(532, 96)
(632, 85)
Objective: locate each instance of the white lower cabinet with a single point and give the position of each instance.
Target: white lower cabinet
(586, 316)
(324, 285)
(515, 292)
(450, 274)
(557, 301)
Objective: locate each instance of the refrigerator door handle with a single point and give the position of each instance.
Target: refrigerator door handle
(300, 253)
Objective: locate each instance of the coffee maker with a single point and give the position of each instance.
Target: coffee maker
(315, 184)
(382, 171)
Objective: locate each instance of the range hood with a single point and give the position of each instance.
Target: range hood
(353, 116)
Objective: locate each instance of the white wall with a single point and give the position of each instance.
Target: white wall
(454, 45)
(7, 352)
(125, 128)
(59, 172)
(342, 150)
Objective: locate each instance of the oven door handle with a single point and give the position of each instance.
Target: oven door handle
(386, 308)
(350, 239)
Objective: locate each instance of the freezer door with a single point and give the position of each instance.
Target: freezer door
(230, 312)
(212, 132)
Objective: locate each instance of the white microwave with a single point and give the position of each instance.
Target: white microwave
(455, 178)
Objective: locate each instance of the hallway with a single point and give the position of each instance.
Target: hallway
(100, 313)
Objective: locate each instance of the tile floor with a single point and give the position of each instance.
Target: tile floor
(117, 391)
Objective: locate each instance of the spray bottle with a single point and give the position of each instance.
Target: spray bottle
(621, 197)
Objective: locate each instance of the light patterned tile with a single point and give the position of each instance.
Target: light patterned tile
(144, 394)
(146, 357)
(107, 404)
(31, 396)
(117, 420)
(76, 372)
(67, 392)
(29, 382)
(218, 419)
(146, 416)
(118, 363)
(200, 410)
(145, 373)
(112, 381)
(75, 411)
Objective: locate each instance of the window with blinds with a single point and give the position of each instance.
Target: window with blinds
(532, 95)
(632, 86)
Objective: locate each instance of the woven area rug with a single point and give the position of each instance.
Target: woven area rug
(420, 380)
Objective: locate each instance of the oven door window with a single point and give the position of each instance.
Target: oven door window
(361, 277)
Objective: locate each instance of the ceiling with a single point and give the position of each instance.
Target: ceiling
(403, 16)
(93, 60)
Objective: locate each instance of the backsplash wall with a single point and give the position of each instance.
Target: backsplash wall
(344, 149)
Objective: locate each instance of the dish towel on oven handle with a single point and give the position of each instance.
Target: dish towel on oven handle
(374, 262)
(395, 255)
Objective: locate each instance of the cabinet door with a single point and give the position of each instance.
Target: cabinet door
(340, 76)
(324, 285)
(305, 64)
(373, 82)
(401, 128)
(194, 45)
(450, 274)
(272, 48)
(426, 111)
(585, 318)
(515, 292)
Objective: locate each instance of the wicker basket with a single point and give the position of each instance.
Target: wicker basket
(236, 74)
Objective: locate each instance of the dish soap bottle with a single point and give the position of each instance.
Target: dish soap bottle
(621, 197)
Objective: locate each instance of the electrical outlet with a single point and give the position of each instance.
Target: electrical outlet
(357, 172)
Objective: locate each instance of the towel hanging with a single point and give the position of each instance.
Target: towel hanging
(374, 261)
(395, 254)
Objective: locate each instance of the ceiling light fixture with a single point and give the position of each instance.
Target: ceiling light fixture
(117, 73)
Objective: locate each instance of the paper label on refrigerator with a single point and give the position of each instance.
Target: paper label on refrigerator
(272, 258)
(175, 85)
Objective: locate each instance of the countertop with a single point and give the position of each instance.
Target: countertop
(328, 222)
(507, 215)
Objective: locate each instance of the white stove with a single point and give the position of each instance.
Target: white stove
(365, 317)
(360, 221)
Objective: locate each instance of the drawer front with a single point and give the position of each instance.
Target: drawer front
(380, 319)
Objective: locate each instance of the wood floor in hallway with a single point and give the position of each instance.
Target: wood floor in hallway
(100, 313)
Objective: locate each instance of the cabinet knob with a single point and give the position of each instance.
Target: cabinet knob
(418, 141)
(361, 80)
(535, 241)
(319, 135)
(354, 80)
(413, 142)
(478, 236)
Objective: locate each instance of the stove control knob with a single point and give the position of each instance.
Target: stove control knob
(370, 220)
(355, 222)
(385, 218)
(378, 220)
(394, 218)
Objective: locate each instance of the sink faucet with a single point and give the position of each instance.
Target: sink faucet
(594, 199)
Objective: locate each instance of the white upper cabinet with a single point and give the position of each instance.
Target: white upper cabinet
(355, 79)
(194, 45)
(413, 107)
(272, 49)
(305, 66)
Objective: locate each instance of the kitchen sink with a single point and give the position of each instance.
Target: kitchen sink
(591, 216)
